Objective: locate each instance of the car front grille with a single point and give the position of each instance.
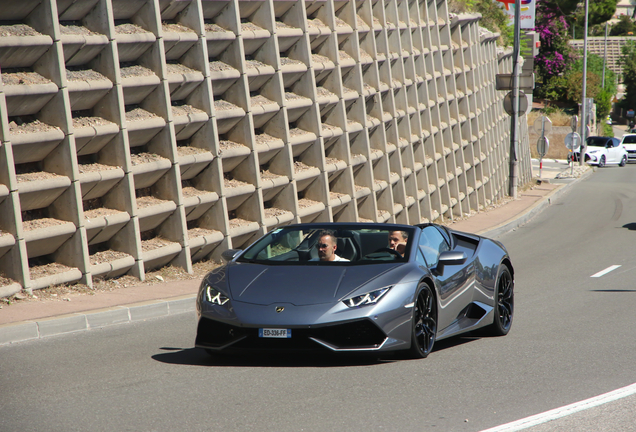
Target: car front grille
(360, 334)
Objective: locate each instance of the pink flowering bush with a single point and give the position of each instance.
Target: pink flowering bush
(555, 55)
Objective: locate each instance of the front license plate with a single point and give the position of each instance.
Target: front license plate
(274, 333)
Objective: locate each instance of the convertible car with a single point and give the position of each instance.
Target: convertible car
(280, 293)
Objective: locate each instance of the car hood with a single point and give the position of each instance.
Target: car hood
(630, 146)
(302, 285)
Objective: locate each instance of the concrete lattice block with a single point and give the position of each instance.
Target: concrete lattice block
(47, 240)
(37, 194)
(102, 228)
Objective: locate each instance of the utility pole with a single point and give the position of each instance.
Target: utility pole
(604, 55)
(583, 102)
(514, 123)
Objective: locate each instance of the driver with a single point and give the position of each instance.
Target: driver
(397, 241)
(327, 245)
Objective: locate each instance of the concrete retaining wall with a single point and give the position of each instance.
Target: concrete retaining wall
(140, 133)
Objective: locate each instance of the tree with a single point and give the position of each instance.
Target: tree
(574, 86)
(599, 11)
(624, 26)
(602, 94)
(567, 88)
(595, 65)
(628, 62)
(603, 101)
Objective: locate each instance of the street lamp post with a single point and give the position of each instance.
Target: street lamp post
(583, 104)
(604, 55)
(514, 123)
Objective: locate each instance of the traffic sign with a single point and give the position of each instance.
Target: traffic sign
(544, 124)
(523, 102)
(542, 146)
(573, 141)
(504, 81)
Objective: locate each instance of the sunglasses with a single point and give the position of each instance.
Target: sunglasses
(322, 245)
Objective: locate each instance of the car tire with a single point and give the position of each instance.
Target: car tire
(504, 303)
(423, 323)
(623, 162)
(601, 162)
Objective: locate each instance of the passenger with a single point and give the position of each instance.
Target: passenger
(327, 245)
(397, 241)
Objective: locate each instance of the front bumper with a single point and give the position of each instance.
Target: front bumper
(358, 335)
(589, 159)
(576, 156)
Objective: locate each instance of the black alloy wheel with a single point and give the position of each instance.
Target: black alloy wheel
(505, 302)
(424, 323)
(601, 163)
(623, 161)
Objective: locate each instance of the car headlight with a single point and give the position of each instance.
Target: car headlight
(366, 299)
(216, 297)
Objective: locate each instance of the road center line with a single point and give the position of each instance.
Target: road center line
(606, 271)
(565, 410)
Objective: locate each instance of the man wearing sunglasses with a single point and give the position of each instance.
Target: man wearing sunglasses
(327, 245)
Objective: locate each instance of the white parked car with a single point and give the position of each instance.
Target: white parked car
(629, 142)
(603, 151)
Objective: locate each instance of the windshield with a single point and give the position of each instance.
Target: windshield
(597, 141)
(339, 245)
(629, 139)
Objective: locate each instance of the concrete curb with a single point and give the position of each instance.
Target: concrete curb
(71, 323)
(534, 210)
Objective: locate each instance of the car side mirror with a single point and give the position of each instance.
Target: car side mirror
(229, 254)
(449, 258)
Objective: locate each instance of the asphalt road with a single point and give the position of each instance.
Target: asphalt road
(584, 325)
(572, 339)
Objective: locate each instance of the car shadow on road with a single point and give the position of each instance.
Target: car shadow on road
(454, 341)
(199, 357)
(630, 226)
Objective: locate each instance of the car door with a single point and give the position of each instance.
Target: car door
(613, 150)
(453, 284)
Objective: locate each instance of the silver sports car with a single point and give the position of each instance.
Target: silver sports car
(356, 287)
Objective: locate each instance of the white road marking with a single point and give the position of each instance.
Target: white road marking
(606, 271)
(565, 410)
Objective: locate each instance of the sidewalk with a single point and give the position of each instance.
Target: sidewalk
(37, 319)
